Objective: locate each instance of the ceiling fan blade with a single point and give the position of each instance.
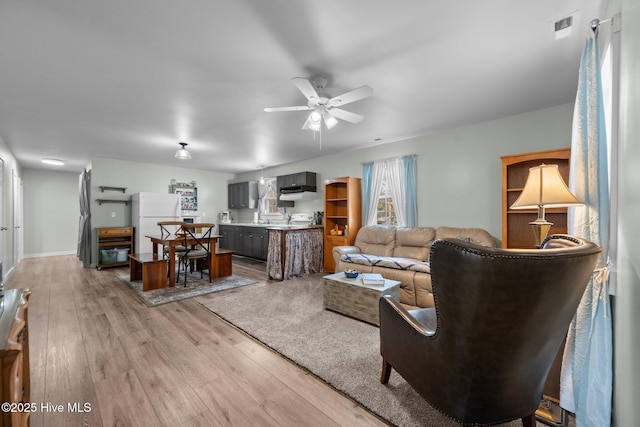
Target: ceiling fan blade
(295, 108)
(347, 116)
(306, 88)
(351, 96)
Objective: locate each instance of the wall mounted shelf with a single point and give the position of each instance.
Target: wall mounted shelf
(104, 188)
(101, 201)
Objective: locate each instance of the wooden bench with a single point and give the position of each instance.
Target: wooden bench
(222, 263)
(151, 269)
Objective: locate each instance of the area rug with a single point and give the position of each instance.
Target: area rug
(288, 317)
(195, 287)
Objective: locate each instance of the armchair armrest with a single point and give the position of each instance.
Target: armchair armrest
(338, 251)
(422, 321)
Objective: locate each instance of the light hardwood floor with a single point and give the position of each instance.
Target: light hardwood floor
(92, 341)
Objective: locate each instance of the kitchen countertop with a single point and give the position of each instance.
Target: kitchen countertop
(274, 226)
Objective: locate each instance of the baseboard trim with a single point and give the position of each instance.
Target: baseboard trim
(48, 254)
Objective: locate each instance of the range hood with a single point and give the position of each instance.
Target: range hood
(299, 195)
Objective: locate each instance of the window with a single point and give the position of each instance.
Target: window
(268, 196)
(385, 211)
(272, 197)
(389, 191)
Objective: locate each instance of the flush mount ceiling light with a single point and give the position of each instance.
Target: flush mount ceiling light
(182, 153)
(53, 162)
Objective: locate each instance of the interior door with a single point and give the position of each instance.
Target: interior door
(3, 228)
(17, 217)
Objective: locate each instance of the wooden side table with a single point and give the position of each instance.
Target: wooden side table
(352, 298)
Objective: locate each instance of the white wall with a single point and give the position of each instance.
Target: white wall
(10, 165)
(51, 212)
(459, 180)
(459, 170)
(627, 314)
(136, 177)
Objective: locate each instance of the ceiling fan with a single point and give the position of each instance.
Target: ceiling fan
(325, 108)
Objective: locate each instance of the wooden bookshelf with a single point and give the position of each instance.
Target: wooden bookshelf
(342, 208)
(516, 231)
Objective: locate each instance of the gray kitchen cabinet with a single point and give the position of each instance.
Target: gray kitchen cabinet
(243, 195)
(256, 242)
(282, 203)
(305, 181)
(231, 238)
(245, 241)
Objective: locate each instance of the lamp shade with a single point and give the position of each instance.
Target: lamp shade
(545, 188)
(329, 119)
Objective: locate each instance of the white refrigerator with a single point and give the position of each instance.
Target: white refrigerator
(147, 209)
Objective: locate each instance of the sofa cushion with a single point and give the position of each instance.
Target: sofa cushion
(388, 262)
(376, 240)
(414, 242)
(473, 235)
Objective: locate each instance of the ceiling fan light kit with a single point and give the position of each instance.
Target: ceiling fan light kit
(322, 108)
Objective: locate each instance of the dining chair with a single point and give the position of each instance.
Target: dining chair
(198, 246)
(169, 228)
(482, 354)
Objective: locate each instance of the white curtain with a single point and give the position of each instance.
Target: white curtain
(587, 373)
(395, 179)
(377, 175)
(262, 193)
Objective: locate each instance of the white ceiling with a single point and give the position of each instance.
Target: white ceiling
(130, 79)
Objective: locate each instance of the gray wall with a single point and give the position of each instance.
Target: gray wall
(459, 170)
(51, 212)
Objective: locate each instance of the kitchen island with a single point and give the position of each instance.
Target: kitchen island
(294, 250)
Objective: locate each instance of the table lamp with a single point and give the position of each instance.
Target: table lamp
(544, 188)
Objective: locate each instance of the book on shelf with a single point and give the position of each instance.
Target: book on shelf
(372, 279)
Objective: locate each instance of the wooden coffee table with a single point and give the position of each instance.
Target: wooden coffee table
(351, 297)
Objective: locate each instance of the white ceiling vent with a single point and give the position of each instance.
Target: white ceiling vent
(562, 27)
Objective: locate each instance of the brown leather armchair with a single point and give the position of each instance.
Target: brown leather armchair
(482, 355)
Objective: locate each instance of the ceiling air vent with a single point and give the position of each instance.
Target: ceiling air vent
(563, 27)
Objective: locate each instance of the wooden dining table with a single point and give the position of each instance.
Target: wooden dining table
(171, 242)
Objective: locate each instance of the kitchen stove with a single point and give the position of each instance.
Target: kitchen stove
(301, 219)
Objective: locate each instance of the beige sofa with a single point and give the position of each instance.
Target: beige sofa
(402, 253)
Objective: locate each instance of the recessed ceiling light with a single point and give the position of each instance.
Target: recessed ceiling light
(53, 162)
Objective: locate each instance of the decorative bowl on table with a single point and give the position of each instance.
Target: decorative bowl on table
(351, 274)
